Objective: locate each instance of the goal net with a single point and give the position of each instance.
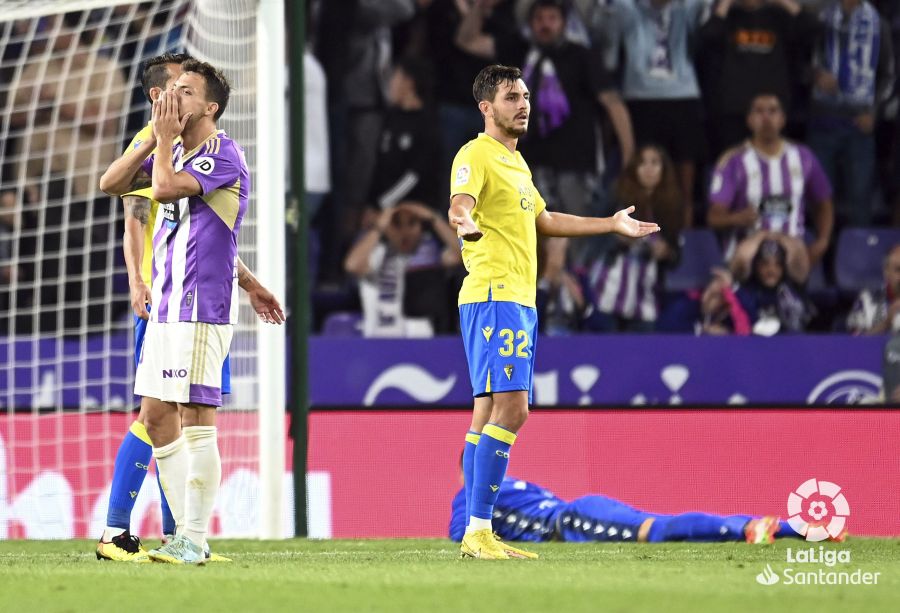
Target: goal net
(70, 100)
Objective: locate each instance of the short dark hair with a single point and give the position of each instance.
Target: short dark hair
(765, 94)
(561, 5)
(491, 78)
(218, 89)
(154, 72)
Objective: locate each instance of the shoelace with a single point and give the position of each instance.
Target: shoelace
(128, 542)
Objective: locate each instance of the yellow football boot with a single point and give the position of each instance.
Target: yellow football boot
(481, 544)
(515, 552)
(123, 548)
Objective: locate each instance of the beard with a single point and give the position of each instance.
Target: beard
(512, 130)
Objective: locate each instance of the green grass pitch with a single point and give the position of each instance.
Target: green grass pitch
(426, 575)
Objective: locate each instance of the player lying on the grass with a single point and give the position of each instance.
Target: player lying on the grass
(498, 213)
(525, 511)
(133, 458)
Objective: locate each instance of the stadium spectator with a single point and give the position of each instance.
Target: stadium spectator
(876, 312)
(64, 115)
(627, 279)
(316, 151)
(354, 46)
(399, 250)
(67, 99)
(750, 46)
(459, 121)
(566, 81)
(854, 75)
(659, 81)
(407, 164)
(796, 262)
(715, 311)
(768, 183)
(772, 301)
(525, 511)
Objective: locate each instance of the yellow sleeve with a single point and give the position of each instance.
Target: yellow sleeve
(140, 137)
(539, 204)
(467, 175)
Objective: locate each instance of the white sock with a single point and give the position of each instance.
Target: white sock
(172, 464)
(476, 523)
(204, 475)
(110, 532)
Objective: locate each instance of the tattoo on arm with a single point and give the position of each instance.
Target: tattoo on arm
(137, 207)
(140, 181)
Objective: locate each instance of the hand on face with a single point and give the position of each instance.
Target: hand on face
(164, 117)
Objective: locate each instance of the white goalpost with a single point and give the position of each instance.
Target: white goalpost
(69, 103)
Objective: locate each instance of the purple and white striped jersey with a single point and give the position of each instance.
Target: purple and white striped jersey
(780, 187)
(195, 239)
(624, 281)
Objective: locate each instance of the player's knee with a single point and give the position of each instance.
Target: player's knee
(162, 423)
(512, 417)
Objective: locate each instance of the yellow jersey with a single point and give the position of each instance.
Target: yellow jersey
(502, 265)
(147, 263)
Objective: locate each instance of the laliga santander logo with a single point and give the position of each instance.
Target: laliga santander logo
(818, 510)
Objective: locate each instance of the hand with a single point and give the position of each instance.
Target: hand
(466, 228)
(626, 226)
(865, 122)
(266, 305)
(164, 117)
(140, 298)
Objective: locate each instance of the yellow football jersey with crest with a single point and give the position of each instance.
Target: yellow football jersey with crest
(147, 262)
(502, 265)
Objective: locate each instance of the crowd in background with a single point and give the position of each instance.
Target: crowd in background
(771, 123)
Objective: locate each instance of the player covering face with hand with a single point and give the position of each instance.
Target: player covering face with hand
(497, 212)
(133, 458)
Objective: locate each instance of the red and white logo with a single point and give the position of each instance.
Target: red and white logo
(818, 510)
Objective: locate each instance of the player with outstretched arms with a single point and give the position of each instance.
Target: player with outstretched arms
(158, 74)
(498, 213)
(202, 184)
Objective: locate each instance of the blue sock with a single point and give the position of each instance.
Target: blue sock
(130, 469)
(491, 460)
(698, 527)
(168, 521)
(468, 467)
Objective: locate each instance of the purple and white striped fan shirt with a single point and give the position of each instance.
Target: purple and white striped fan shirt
(195, 239)
(779, 187)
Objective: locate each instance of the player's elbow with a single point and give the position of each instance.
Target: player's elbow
(108, 186)
(163, 193)
(354, 267)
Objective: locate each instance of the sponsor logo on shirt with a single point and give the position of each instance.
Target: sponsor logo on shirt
(204, 165)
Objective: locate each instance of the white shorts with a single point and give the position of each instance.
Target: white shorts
(182, 362)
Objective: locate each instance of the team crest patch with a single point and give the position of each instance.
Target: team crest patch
(462, 175)
(508, 369)
(204, 165)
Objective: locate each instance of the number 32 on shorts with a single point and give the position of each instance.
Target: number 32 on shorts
(509, 339)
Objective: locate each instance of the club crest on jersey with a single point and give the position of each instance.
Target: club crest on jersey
(204, 165)
(508, 369)
(462, 175)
